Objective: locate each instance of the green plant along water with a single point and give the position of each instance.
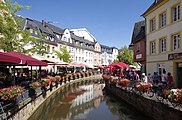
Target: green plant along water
(85, 102)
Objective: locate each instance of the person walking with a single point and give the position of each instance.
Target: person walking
(155, 78)
(144, 78)
(164, 78)
(169, 80)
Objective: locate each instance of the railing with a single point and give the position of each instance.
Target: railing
(159, 93)
(11, 107)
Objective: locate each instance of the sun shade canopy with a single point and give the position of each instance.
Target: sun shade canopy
(6, 58)
(27, 60)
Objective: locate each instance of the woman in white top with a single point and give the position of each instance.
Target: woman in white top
(163, 80)
(144, 78)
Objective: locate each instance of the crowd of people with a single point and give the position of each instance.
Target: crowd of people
(166, 79)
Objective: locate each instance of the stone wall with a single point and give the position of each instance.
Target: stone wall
(153, 109)
(27, 110)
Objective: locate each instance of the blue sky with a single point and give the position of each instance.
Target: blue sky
(111, 22)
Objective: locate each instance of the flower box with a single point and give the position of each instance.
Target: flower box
(124, 82)
(11, 93)
(113, 80)
(142, 85)
(34, 85)
(105, 77)
(45, 82)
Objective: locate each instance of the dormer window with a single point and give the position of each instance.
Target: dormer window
(31, 30)
(36, 33)
(57, 36)
(52, 38)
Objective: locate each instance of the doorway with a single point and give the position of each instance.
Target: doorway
(179, 74)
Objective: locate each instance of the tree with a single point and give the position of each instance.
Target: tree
(126, 56)
(63, 54)
(13, 37)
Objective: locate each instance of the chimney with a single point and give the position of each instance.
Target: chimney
(43, 23)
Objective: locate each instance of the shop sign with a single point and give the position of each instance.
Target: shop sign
(175, 56)
(139, 56)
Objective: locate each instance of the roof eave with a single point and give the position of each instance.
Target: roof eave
(154, 7)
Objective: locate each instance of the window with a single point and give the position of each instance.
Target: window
(176, 13)
(162, 20)
(176, 41)
(138, 47)
(31, 30)
(64, 39)
(57, 36)
(48, 49)
(36, 33)
(152, 25)
(152, 47)
(162, 43)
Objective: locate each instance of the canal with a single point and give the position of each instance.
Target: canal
(85, 101)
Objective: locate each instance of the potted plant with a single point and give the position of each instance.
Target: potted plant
(45, 82)
(35, 85)
(11, 93)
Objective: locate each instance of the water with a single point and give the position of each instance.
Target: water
(85, 102)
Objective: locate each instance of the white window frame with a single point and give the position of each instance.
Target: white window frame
(162, 20)
(176, 13)
(162, 43)
(176, 42)
(31, 30)
(152, 47)
(152, 24)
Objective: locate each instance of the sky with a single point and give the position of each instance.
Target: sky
(111, 22)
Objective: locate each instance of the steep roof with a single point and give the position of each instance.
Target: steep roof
(141, 34)
(138, 28)
(155, 3)
(85, 30)
(81, 39)
(55, 28)
(43, 28)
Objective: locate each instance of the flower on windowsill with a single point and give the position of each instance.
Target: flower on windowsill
(11, 93)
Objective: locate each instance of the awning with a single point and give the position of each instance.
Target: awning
(4, 57)
(77, 65)
(122, 65)
(110, 65)
(27, 60)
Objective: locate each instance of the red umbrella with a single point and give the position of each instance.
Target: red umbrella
(110, 65)
(4, 57)
(27, 59)
(122, 65)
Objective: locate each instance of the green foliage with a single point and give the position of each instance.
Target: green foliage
(64, 54)
(126, 55)
(14, 38)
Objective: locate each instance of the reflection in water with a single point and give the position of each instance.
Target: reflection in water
(83, 102)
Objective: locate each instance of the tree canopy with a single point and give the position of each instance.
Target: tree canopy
(125, 55)
(63, 54)
(13, 36)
